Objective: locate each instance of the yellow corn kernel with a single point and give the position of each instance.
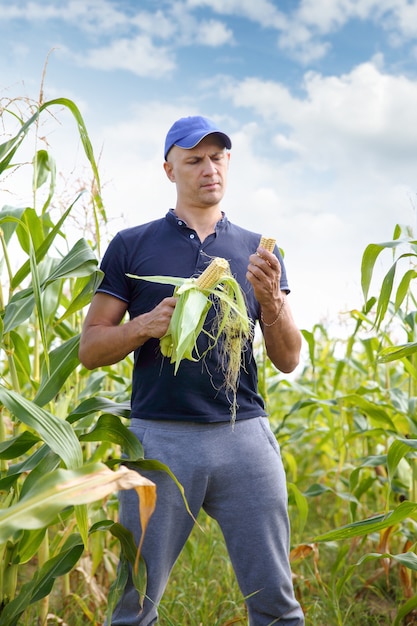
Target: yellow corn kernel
(213, 273)
(268, 243)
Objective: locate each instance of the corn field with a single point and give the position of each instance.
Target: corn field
(346, 423)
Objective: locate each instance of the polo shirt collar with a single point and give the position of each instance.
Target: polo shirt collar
(171, 217)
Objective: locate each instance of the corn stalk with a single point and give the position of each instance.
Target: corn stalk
(48, 474)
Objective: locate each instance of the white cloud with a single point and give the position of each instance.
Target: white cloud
(363, 117)
(340, 158)
(284, 143)
(326, 169)
(142, 55)
(137, 55)
(156, 24)
(300, 43)
(302, 33)
(266, 97)
(213, 33)
(192, 30)
(326, 16)
(303, 30)
(312, 20)
(405, 19)
(261, 12)
(93, 15)
(342, 173)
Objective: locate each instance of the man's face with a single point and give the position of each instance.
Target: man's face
(199, 173)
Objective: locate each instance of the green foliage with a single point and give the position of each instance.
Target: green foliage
(59, 425)
(347, 426)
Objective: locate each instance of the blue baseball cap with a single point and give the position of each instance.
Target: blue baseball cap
(187, 132)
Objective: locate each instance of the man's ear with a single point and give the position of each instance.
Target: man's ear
(169, 171)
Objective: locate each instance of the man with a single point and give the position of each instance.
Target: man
(234, 474)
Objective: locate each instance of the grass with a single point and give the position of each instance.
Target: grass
(203, 588)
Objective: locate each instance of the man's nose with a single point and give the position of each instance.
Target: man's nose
(209, 166)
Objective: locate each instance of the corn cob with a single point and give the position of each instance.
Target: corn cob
(213, 273)
(268, 243)
(214, 287)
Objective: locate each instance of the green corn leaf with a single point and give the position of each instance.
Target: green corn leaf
(80, 261)
(404, 287)
(9, 148)
(30, 228)
(43, 247)
(163, 280)
(110, 428)
(45, 167)
(58, 565)
(82, 130)
(311, 343)
(117, 587)
(63, 361)
(41, 463)
(386, 289)
(186, 324)
(393, 353)
(30, 465)
(55, 432)
(82, 297)
(371, 525)
(125, 537)
(408, 559)
(9, 219)
(19, 309)
(369, 257)
(97, 404)
(41, 168)
(43, 580)
(29, 544)
(81, 515)
(404, 610)
(155, 465)
(397, 451)
(373, 410)
(315, 490)
(385, 295)
(21, 356)
(17, 446)
(302, 506)
(36, 286)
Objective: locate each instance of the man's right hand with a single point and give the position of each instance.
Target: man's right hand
(105, 341)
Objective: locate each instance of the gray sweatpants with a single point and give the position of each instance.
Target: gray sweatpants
(237, 477)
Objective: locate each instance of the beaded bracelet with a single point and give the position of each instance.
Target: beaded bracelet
(277, 317)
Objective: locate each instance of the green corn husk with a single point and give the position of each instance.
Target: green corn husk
(231, 322)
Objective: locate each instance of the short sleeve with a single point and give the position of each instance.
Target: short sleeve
(114, 265)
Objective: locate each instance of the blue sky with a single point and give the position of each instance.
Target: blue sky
(319, 97)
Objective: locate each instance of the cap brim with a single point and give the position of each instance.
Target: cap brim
(192, 140)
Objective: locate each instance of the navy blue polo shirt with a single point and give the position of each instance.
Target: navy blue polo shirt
(168, 247)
